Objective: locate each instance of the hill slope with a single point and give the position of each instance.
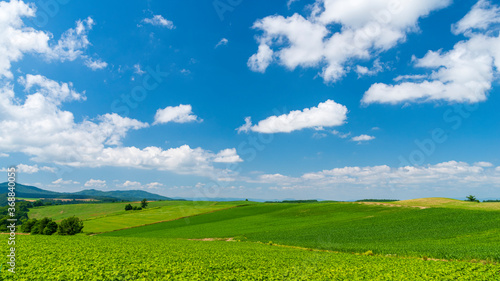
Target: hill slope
(349, 227)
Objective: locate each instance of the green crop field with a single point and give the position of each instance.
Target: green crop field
(443, 233)
(89, 258)
(112, 216)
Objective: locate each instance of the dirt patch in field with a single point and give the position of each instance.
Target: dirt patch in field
(214, 239)
(391, 205)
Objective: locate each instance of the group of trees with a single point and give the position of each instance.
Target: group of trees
(47, 226)
(144, 204)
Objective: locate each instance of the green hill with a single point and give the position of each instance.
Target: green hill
(104, 217)
(348, 227)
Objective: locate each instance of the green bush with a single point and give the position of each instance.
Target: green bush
(50, 228)
(40, 225)
(27, 225)
(70, 226)
(128, 207)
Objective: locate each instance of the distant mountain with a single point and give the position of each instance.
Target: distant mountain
(26, 191)
(129, 195)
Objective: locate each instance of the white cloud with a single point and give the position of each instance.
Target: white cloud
(4, 155)
(153, 185)
(17, 39)
(463, 74)
(177, 114)
(222, 42)
(363, 70)
(483, 164)
(95, 64)
(64, 182)
(132, 184)
(260, 61)
(138, 70)
(482, 15)
(228, 155)
(38, 127)
(341, 135)
(30, 169)
(159, 20)
(326, 114)
(446, 174)
(73, 41)
(368, 27)
(410, 77)
(362, 138)
(95, 183)
(290, 2)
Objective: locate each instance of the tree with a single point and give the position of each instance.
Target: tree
(144, 203)
(128, 207)
(28, 225)
(70, 226)
(40, 225)
(38, 203)
(50, 228)
(472, 198)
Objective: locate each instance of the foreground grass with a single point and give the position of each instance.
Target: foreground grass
(112, 216)
(116, 258)
(442, 233)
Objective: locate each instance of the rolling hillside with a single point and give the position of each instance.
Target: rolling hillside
(112, 216)
(445, 233)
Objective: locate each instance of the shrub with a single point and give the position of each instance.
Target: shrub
(70, 226)
(40, 225)
(27, 225)
(128, 207)
(137, 208)
(50, 228)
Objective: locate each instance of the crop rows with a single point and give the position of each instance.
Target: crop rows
(115, 258)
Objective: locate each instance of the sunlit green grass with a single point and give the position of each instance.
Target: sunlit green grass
(349, 227)
(89, 258)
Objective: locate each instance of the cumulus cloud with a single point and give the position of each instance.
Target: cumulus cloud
(95, 64)
(228, 155)
(60, 181)
(95, 183)
(30, 169)
(177, 114)
(137, 185)
(367, 27)
(159, 20)
(38, 127)
(463, 74)
(17, 39)
(363, 138)
(4, 155)
(443, 174)
(326, 114)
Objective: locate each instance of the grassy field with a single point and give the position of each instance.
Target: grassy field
(443, 233)
(112, 216)
(115, 258)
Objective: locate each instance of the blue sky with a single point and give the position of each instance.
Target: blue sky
(253, 99)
